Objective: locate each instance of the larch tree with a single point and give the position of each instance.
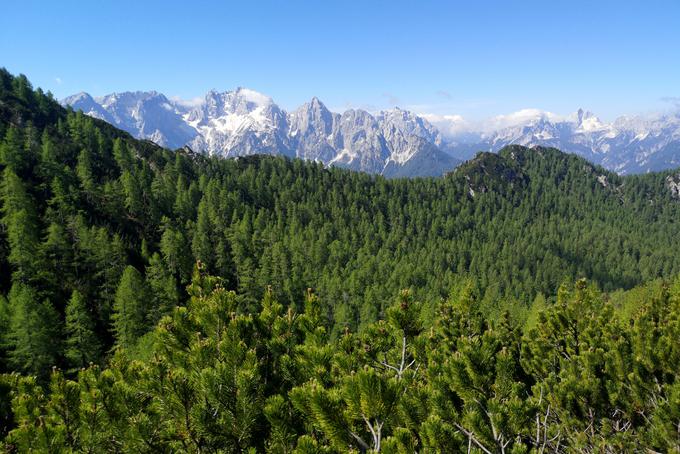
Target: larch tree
(82, 345)
(130, 308)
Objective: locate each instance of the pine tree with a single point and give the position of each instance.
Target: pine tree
(133, 193)
(82, 343)
(57, 254)
(220, 407)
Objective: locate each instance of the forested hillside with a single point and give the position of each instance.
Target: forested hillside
(101, 235)
(90, 214)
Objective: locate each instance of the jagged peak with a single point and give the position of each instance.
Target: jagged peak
(246, 94)
(82, 94)
(583, 115)
(314, 104)
(357, 113)
(397, 112)
(77, 98)
(587, 121)
(253, 96)
(134, 94)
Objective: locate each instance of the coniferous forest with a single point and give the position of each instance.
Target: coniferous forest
(165, 301)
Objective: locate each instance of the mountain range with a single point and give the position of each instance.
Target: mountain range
(628, 145)
(394, 143)
(244, 122)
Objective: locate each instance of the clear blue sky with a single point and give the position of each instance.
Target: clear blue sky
(473, 58)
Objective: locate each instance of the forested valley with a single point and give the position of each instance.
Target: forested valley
(154, 300)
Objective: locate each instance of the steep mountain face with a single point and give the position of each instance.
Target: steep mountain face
(89, 106)
(312, 128)
(427, 161)
(239, 123)
(628, 145)
(244, 122)
(405, 132)
(146, 115)
(395, 142)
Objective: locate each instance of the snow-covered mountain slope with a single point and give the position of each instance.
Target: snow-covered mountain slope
(627, 145)
(146, 115)
(238, 123)
(395, 142)
(244, 122)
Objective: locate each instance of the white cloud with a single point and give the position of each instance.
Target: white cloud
(448, 125)
(454, 125)
(189, 103)
(57, 80)
(521, 117)
(673, 100)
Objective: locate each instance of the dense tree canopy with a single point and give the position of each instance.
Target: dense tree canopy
(222, 378)
(285, 338)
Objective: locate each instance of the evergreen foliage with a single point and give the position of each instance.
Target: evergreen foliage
(130, 308)
(224, 379)
(82, 344)
(197, 304)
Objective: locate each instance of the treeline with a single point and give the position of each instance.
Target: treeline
(222, 378)
(99, 233)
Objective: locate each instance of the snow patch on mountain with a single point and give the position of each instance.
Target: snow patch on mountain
(630, 144)
(244, 121)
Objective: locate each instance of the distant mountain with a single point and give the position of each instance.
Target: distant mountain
(627, 145)
(243, 122)
(393, 143)
(146, 115)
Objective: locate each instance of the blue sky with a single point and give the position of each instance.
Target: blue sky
(475, 59)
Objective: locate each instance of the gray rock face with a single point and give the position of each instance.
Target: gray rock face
(146, 115)
(359, 142)
(405, 132)
(673, 185)
(239, 123)
(627, 145)
(86, 103)
(394, 142)
(312, 131)
(244, 122)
